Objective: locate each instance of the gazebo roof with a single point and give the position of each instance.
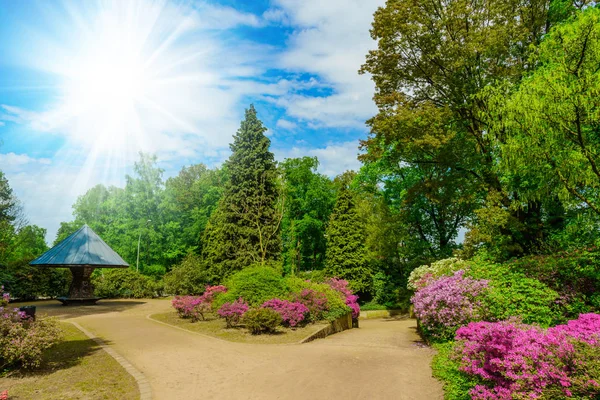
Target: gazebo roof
(83, 248)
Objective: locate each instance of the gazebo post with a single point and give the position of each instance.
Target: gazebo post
(81, 285)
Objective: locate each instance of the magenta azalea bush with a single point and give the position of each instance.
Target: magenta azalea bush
(515, 360)
(23, 340)
(233, 312)
(292, 313)
(448, 303)
(315, 302)
(341, 286)
(194, 307)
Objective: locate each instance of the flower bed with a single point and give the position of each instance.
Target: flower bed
(295, 301)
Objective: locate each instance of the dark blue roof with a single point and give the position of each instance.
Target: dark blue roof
(82, 248)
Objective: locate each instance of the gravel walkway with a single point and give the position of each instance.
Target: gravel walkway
(381, 360)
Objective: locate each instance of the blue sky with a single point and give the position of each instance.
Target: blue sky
(85, 86)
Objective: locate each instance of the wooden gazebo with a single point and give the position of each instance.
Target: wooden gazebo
(81, 252)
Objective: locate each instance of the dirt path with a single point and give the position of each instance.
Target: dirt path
(378, 361)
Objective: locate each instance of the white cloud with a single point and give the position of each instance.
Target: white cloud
(286, 124)
(13, 162)
(331, 39)
(334, 159)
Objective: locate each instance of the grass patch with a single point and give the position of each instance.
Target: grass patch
(75, 368)
(216, 327)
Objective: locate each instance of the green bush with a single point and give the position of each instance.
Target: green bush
(445, 368)
(512, 294)
(255, 285)
(122, 283)
(154, 271)
(262, 320)
(575, 275)
(24, 282)
(186, 278)
(336, 302)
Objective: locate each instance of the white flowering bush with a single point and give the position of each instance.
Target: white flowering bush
(421, 276)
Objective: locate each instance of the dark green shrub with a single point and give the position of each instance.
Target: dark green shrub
(512, 294)
(255, 285)
(154, 271)
(186, 278)
(262, 320)
(122, 283)
(445, 368)
(575, 275)
(24, 282)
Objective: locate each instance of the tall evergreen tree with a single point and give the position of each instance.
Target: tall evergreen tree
(244, 229)
(346, 254)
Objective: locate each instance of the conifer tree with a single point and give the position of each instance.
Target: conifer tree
(346, 254)
(244, 229)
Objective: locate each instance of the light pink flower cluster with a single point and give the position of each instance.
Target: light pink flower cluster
(448, 303)
(341, 286)
(526, 361)
(292, 313)
(233, 312)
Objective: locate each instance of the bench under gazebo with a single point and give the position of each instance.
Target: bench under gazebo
(81, 252)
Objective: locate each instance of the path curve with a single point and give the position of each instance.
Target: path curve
(381, 360)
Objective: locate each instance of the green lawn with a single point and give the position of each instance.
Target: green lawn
(216, 327)
(76, 368)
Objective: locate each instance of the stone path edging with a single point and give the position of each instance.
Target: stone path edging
(142, 382)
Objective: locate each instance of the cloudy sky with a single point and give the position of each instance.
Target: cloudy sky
(85, 86)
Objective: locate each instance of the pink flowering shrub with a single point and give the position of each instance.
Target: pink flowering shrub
(315, 302)
(194, 307)
(211, 291)
(232, 312)
(292, 313)
(23, 340)
(515, 360)
(341, 286)
(447, 304)
(4, 395)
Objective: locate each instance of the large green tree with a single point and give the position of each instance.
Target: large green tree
(346, 255)
(434, 59)
(244, 229)
(551, 123)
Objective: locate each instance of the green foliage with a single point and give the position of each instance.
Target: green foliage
(550, 122)
(309, 199)
(575, 275)
(244, 229)
(122, 283)
(28, 283)
(445, 368)
(262, 320)
(255, 285)
(336, 302)
(346, 255)
(512, 294)
(189, 277)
